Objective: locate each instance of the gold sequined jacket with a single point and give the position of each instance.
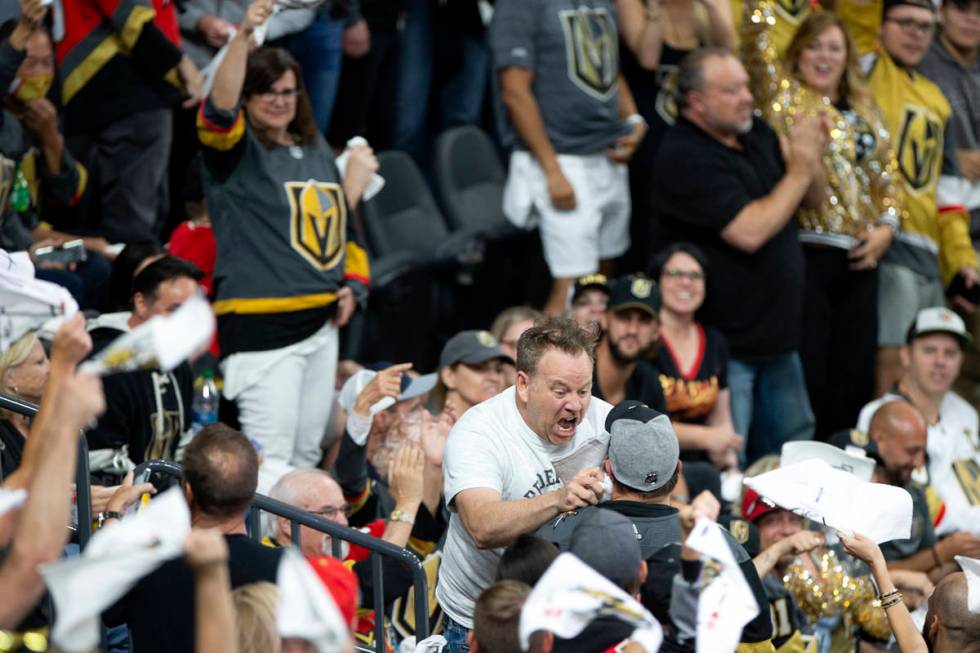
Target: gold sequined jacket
(859, 163)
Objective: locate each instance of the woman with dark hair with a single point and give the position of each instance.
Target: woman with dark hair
(288, 272)
(693, 360)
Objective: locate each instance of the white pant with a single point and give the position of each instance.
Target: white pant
(284, 398)
(596, 229)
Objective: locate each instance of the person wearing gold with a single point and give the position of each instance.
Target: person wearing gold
(933, 250)
(850, 231)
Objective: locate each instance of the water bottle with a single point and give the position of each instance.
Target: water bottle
(205, 407)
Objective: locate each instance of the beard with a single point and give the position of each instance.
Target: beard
(622, 357)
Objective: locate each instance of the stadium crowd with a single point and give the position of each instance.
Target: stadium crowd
(727, 232)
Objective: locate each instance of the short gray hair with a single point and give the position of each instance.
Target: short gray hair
(289, 489)
(690, 72)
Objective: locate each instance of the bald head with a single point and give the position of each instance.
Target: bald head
(899, 431)
(950, 625)
(312, 490)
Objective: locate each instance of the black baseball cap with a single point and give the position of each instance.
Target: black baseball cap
(590, 282)
(634, 291)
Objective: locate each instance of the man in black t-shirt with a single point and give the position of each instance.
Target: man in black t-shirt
(632, 321)
(722, 183)
(220, 474)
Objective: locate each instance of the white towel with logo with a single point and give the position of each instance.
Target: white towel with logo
(571, 595)
(117, 557)
(727, 603)
(839, 500)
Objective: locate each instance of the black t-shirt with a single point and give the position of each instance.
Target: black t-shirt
(12, 444)
(160, 608)
(755, 299)
(691, 394)
(643, 385)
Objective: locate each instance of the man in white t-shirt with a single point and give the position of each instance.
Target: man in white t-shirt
(932, 358)
(517, 460)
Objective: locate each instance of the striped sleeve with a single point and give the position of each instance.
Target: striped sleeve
(222, 133)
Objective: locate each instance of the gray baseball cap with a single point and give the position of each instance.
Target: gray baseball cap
(472, 347)
(609, 543)
(643, 448)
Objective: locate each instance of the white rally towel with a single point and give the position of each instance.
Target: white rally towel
(10, 499)
(971, 569)
(799, 451)
(376, 183)
(571, 595)
(838, 499)
(29, 304)
(117, 557)
(727, 603)
(163, 342)
(306, 608)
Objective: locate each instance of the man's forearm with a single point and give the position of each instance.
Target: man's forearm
(763, 218)
(922, 561)
(499, 524)
(43, 526)
(215, 619)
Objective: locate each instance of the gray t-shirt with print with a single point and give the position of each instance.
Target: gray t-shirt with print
(573, 48)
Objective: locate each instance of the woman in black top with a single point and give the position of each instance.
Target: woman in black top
(23, 372)
(654, 36)
(693, 359)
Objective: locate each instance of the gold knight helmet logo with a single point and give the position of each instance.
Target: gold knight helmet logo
(591, 49)
(318, 221)
(920, 148)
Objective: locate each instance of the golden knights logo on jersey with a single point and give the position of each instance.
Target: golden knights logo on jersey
(792, 10)
(318, 221)
(591, 48)
(920, 148)
(967, 472)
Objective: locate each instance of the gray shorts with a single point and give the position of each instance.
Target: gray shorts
(902, 293)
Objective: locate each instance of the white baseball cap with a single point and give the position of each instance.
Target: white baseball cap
(939, 319)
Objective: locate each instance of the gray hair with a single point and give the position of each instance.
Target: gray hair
(690, 72)
(290, 488)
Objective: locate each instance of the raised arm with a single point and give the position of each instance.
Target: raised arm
(227, 89)
(906, 634)
(207, 553)
(640, 25)
(70, 402)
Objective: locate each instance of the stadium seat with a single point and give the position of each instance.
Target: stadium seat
(469, 180)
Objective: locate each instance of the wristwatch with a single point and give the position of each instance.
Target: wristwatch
(398, 515)
(106, 515)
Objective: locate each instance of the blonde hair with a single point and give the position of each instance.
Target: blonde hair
(511, 316)
(255, 617)
(13, 357)
(765, 464)
(852, 87)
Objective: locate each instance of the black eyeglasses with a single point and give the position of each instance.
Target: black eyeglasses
(285, 94)
(331, 511)
(910, 25)
(690, 275)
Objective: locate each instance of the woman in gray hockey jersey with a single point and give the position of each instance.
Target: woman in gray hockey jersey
(288, 272)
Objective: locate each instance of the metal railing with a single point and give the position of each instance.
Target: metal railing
(297, 519)
(378, 548)
(83, 491)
